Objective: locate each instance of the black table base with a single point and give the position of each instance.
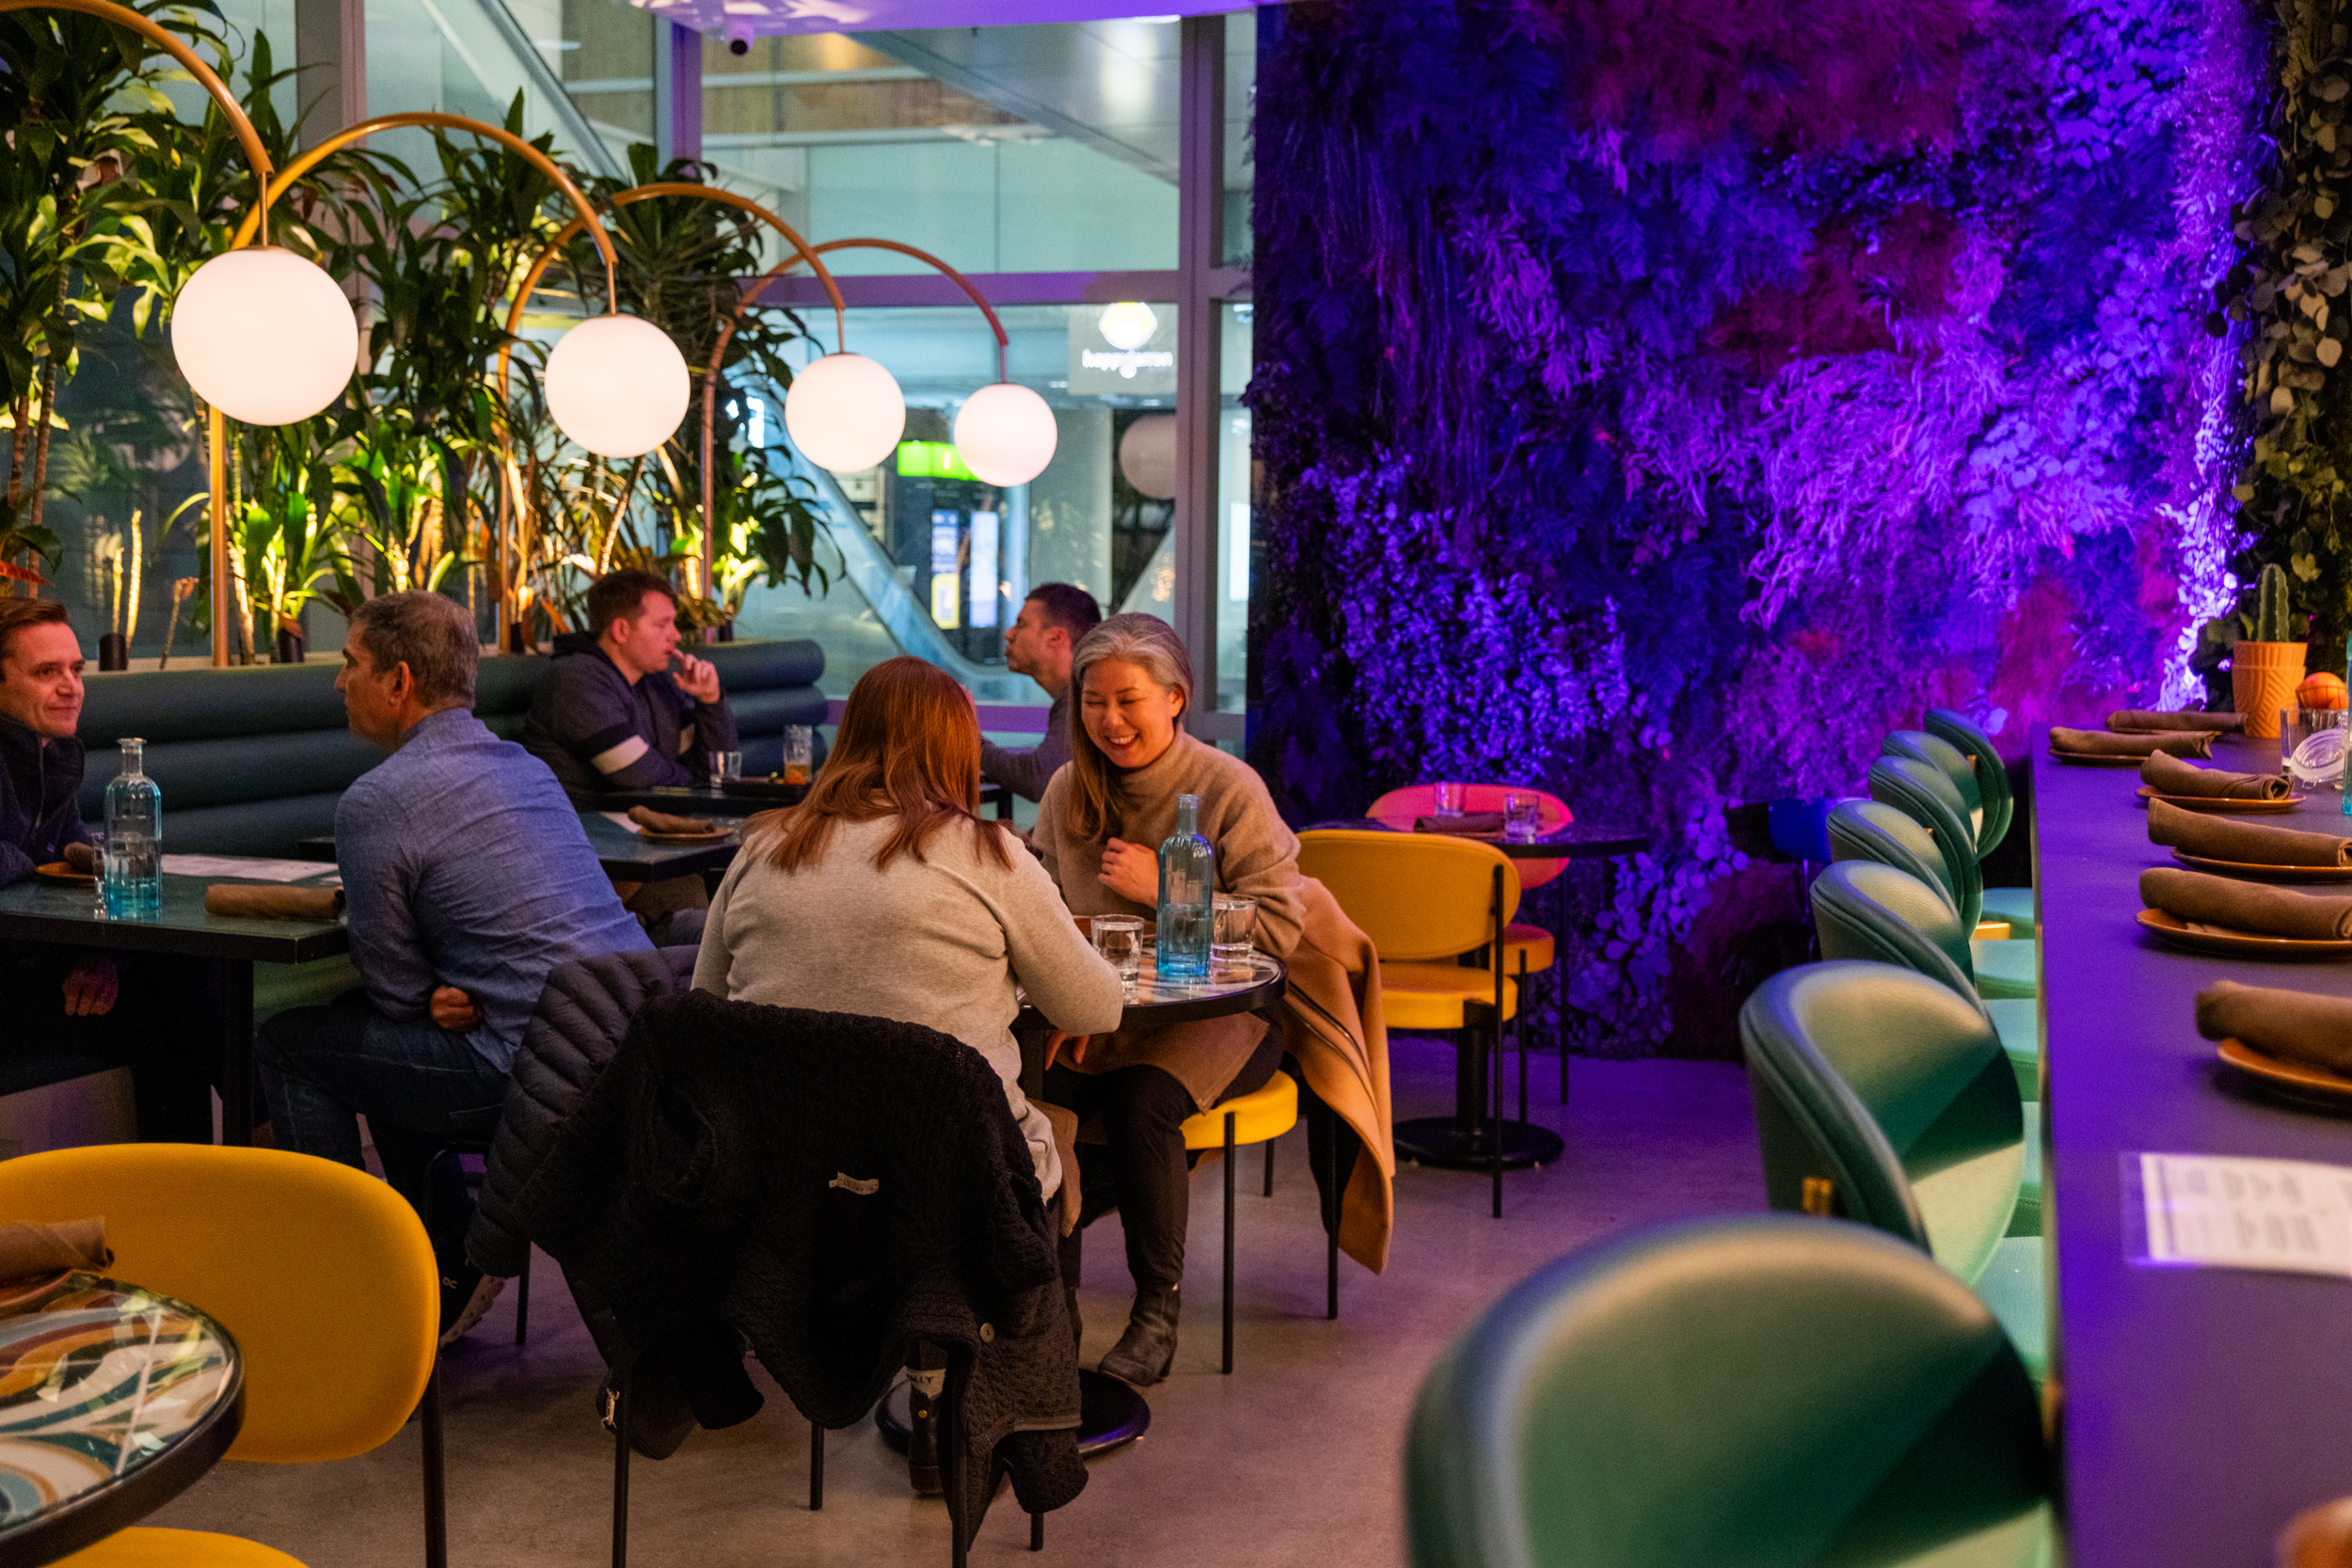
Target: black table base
(1445, 1143)
(1110, 1414)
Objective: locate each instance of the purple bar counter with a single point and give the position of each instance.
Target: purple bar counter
(2203, 1407)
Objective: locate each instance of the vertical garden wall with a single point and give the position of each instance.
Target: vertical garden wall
(1659, 399)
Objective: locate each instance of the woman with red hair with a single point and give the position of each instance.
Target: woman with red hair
(885, 893)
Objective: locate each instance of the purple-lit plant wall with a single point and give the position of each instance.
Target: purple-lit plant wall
(1660, 400)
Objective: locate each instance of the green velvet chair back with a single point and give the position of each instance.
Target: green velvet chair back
(1871, 830)
(1864, 910)
(1894, 1088)
(1920, 746)
(2000, 805)
(1755, 1390)
(1920, 791)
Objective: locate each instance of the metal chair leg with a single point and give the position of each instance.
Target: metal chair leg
(816, 1466)
(435, 1472)
(522, 1298)
(1332, 1214)
(620, 1474)
(1269, 1167)
(1494, 1055)
(1518, 1032)
(1229, 1240)
(951, 1470)
(1036, 1532)
(1560, 982)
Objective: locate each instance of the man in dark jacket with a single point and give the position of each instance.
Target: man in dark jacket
(1052, 620)
(610, 715)
(78, 1002)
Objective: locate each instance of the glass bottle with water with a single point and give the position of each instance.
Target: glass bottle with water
(132, 885)
(1187, 887)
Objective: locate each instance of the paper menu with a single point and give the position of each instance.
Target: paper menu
(2215, 1212)
(240, 865)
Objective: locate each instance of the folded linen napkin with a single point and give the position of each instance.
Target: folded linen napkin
(246, 902)
(2169, 775)
(2181, 743)
(2293, 1023)
(82, 858)
(1471, 824)
(662, 822)
(2218, 838)
(30, 1248)
(2270, 911)
(2144, 718)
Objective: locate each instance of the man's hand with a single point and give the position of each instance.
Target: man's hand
(1078, 1044)
(90, 989)
(454, 1010)
(697, 677)
(1131, 871)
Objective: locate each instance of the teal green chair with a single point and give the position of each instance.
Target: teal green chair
(1745, 1392)
(2012, 904)
(1920, 791)
(1866, 910)
(1872, 830)
(1883, 1096)
(1942, 754)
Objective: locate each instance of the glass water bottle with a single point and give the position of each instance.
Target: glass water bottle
(1187, 885)
(132, 875)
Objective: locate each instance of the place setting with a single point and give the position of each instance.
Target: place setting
(2250, 850)
(2129, 747)
(2177, 782)
(2202, 913)
(2296, 1045)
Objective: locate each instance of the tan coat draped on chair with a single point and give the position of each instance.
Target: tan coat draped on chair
(1332, 1024)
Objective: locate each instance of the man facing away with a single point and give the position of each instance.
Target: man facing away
(157, 1013)
(1038, 643)
(609, 716)
(467, 877)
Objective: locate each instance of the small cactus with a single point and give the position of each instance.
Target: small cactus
(2274, 615)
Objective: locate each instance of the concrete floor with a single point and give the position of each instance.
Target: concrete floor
(1292, 1459)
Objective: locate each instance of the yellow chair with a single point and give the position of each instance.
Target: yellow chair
(1258, 1117)
(1423, 899)
(322, 1275)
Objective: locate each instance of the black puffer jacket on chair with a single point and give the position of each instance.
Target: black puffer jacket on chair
(837, 1188)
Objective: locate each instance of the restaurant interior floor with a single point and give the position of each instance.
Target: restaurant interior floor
(1292, 1459)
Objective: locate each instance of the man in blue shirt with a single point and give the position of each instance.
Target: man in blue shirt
(467, 877)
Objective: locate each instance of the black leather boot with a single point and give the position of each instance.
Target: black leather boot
(1147, 1348)
(924, 1388)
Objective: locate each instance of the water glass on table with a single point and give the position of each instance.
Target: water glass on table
(1445, 799)
(725, 767)
(2312, 747)
(799, 748)
(1120, 939)
(1234, 934)
(1522, 816)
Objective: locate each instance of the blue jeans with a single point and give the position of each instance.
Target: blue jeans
(420, 1087)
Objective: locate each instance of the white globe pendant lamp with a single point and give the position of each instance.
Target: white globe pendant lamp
(617, 386)
(1005, 434)
(264, 336)
(845, 413)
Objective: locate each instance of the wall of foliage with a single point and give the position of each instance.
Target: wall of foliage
(1659, 399)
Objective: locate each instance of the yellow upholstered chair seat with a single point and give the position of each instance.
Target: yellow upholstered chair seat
(141, 1547)
(1441, 996)
(1264, 1112)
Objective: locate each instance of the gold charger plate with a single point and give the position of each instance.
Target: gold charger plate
(2096, 759)
(2266, 873)
(2217, 803)
(2295, 1080)
(63, 874)
(2197, 937)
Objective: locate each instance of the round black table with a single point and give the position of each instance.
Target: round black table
(1462, 1141)
(112, 1402)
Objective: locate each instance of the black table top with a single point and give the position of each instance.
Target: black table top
(629, 857)
(1159, 1002)
(2203, 1407)
(35, 911)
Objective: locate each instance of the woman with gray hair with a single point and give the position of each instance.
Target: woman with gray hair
(1099, 830)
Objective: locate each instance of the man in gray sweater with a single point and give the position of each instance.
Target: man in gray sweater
(610, 715)
(1037, 645)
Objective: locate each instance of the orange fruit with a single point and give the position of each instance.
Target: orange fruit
(2323, 690)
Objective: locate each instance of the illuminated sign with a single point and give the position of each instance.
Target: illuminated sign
(983, 592)
(1126, 350)
(932, 460)
(945, 579)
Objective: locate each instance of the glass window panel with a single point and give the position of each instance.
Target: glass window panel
(1241, 97)
(976, 143)
(602, 50)
(470, 57)
(1235, 505)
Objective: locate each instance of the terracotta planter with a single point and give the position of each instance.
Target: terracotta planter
(2263, 678)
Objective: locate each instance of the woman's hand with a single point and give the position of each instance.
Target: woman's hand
(454, 1010)
(1078, 1044)
(1131, 871)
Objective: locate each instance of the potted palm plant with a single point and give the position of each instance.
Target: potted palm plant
(2266, 667)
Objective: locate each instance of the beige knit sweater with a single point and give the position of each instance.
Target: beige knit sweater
(1257, 856)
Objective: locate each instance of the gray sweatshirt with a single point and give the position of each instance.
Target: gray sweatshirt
(942, 941)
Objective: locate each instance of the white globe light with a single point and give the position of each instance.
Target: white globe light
(1128, 325)
(616, 385)
(1005, 434)
(264, 336)
(1147, 456)
(845, 413)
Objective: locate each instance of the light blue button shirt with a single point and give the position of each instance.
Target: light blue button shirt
(465, 866)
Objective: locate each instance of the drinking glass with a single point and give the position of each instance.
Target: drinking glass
(1445, 799)
(1522, 816)
(1236, 919)
(2311, 746)
(799, 746)
(725, 767)
(1120, 939)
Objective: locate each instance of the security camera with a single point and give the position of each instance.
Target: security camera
(740, 35)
